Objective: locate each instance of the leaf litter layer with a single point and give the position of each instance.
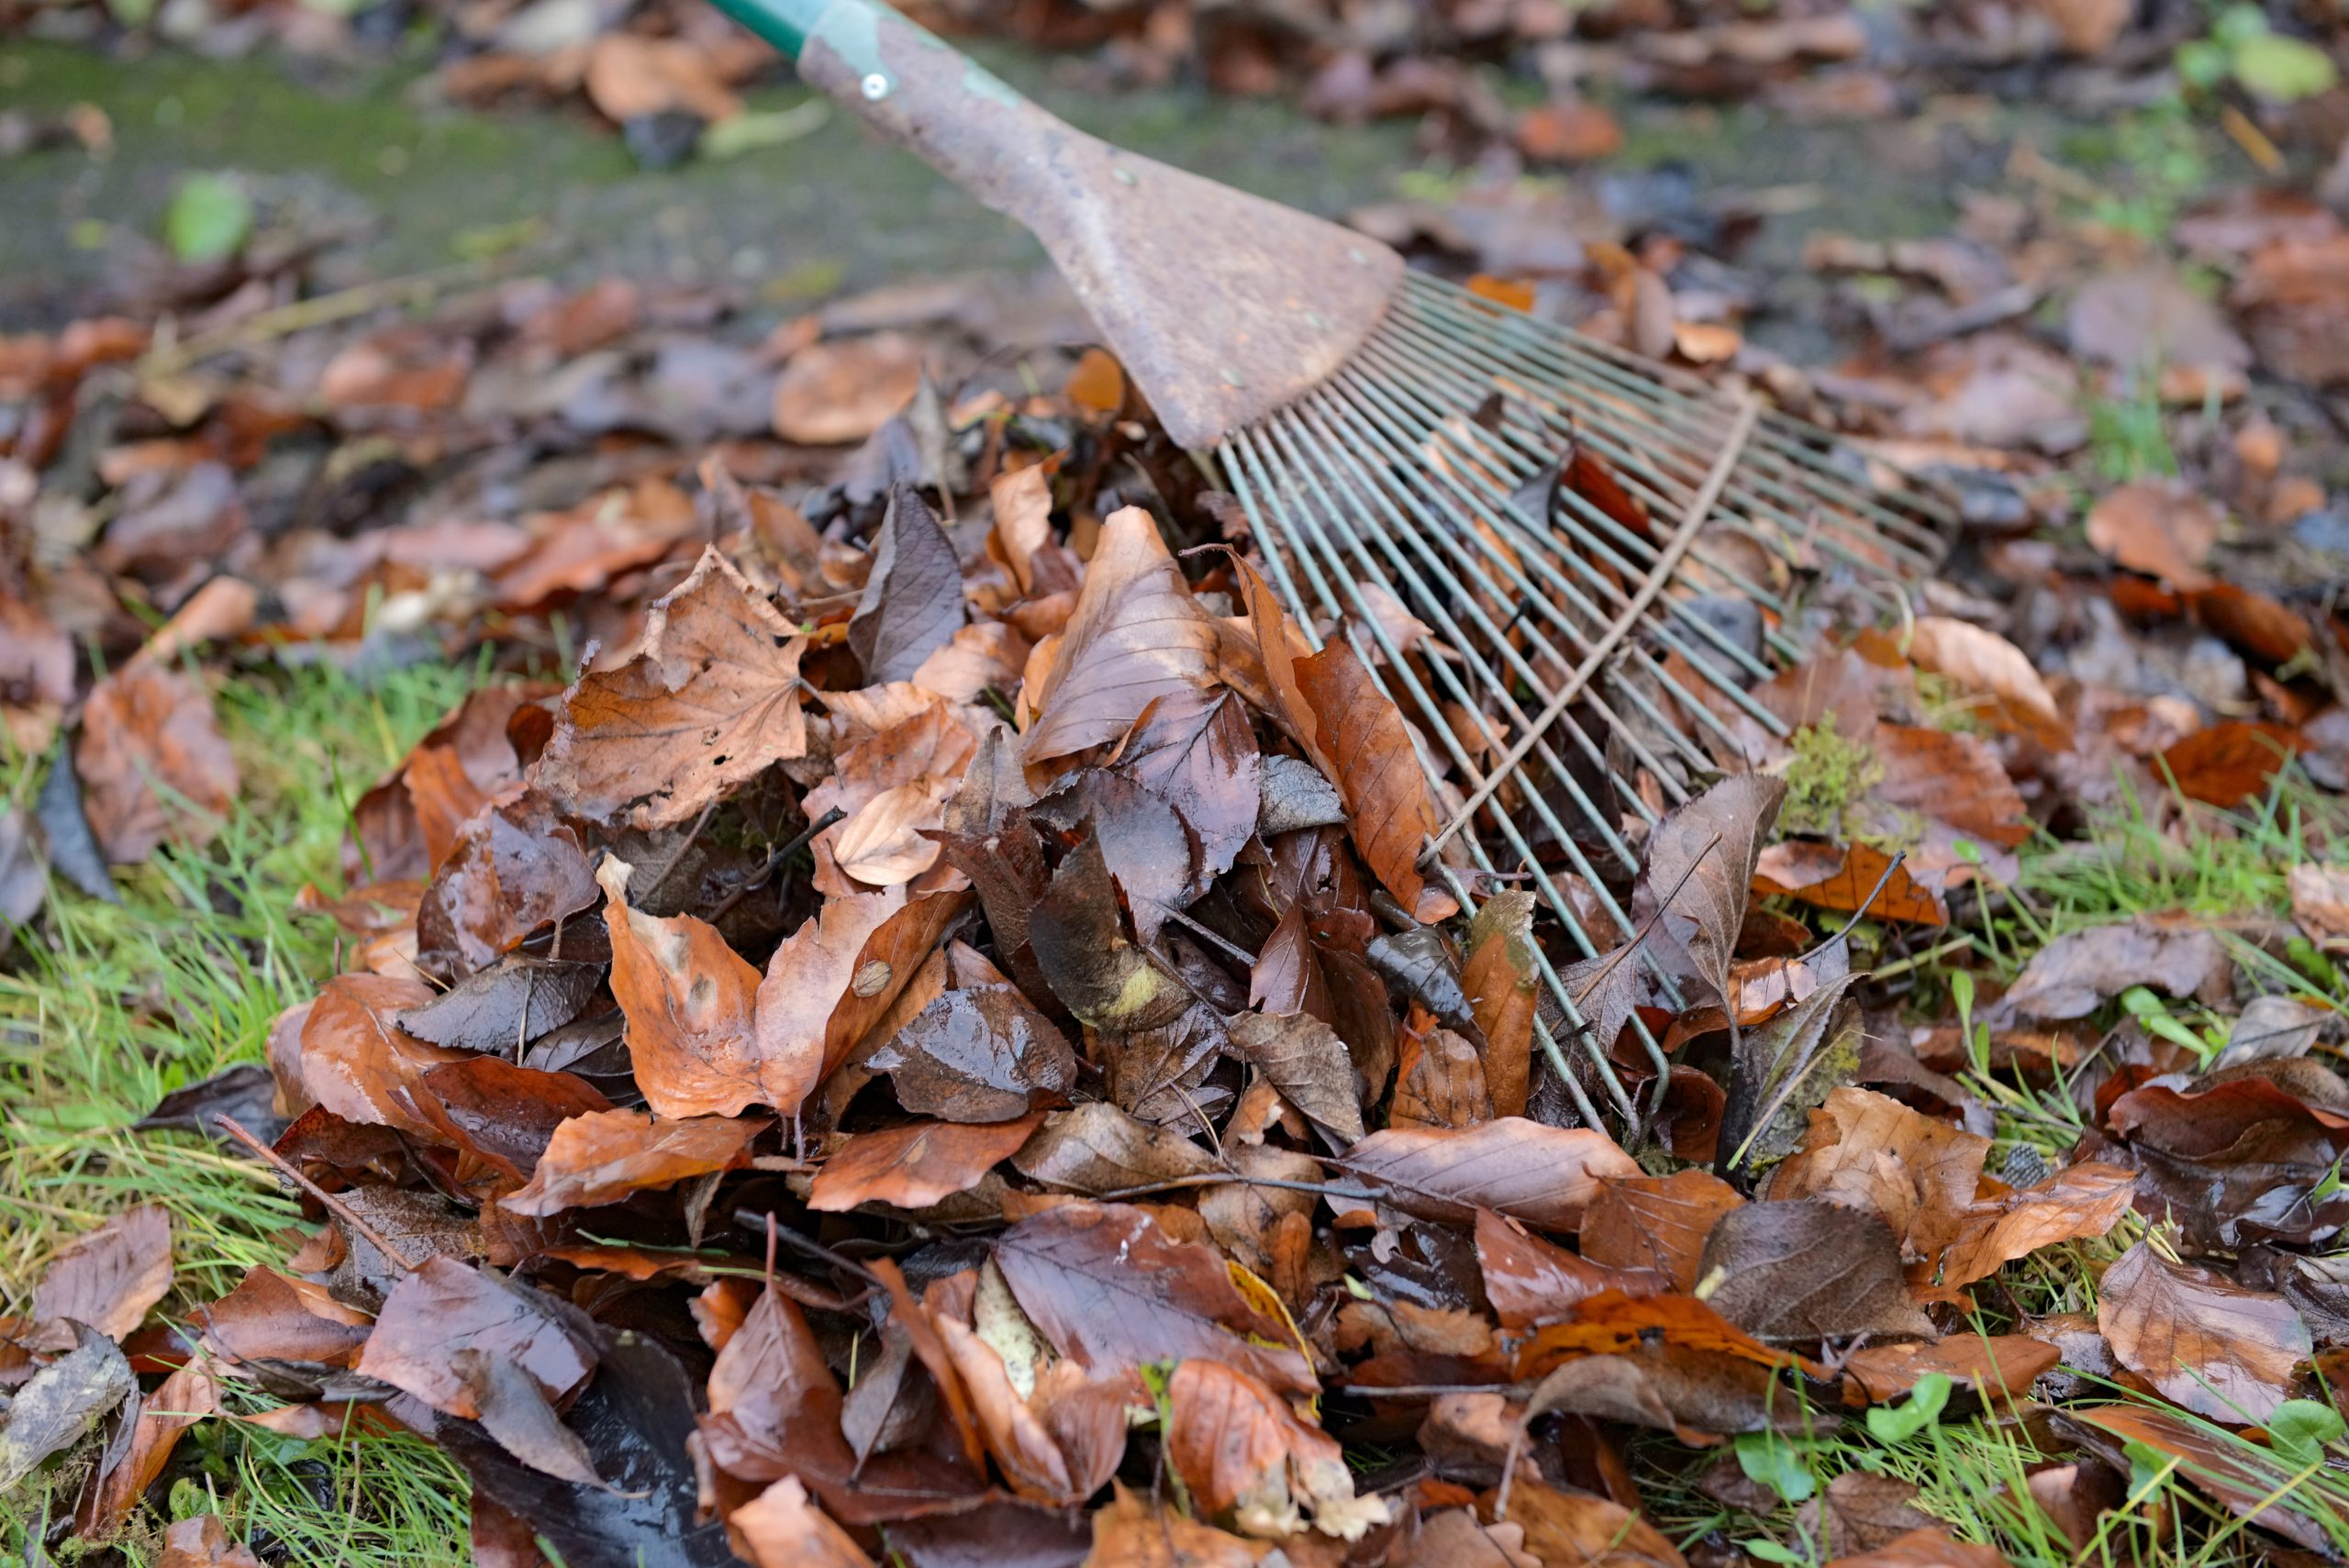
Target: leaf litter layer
(939, 1044)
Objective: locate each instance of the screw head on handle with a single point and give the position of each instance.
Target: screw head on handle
(876, 87)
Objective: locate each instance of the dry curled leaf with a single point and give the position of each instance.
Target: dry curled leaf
(710, 700)
(2081, 1201)
(1137, 636)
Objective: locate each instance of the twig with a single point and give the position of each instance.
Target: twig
(808, 1244)
(335, 1205)
(1700, 507)
(774, 864)
(1229, 1178)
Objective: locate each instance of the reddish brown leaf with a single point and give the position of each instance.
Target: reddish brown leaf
(2000, 1366)
(1576, 1529)
(784, 1530)
(690, 1002)
(1130, 1533)
(1868, 1150)
(844, 390)
(1439, 1082)
(1542, 1175)
(1656, 1222)
(1806, 1271)
(502, 1115)
(2211, 1461)
(359, 1065)
(1244, 1456)
(1377, 768)
(1933, 1547)
(2253, 622)
(710, 700)
(2161, 530)
(2082, 1200)
(1498, 974)
(2214, 1347)
(1843, 876)
(1057, 1446)
(1106, 1288)
(835, 977)
(181, 1400)
(110, 1277)
(274, 1317)
(1137, 636)
(2228, 763)
(1668, 1361)
(152, 763)
(918, 1164)
(515, 867)
(1529, 1281)
(605, 1156)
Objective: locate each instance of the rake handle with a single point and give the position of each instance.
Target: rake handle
(924, 94)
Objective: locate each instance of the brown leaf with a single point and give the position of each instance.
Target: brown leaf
(1999, 1367)
(980, 1054)
(836, 976)
(1079, 935)
(1932, 1548)
(913, 600)
(709, 701)
(784, 1529)
(1130, 1533)
(2227, 763)
(2162, 529)
(1144, 844)
(928, 751)
(2213, 1460)
(1668, 1361)
(1847, 877)
(1109, 1289)
(473, 1345)
(1095, 1148)
(1809, 1271)
(204, 1543)
(1377, 768)
(1576, 1529)
(1057, 1446)
(110, 1277)
(1305, 1059)
(1542, 1175)
(630, 77)
(501, 1115)
(1529, 1281)
(515, 867)
(2320, 904)
(361, 1067)
(2075, 973)
(885, 843)
(2082, 1200)
(1439, 1082)
(831, 394)
(2214, 1347)
(152, 763)
(1868, 1150)
(181, 1400)
(1861, 1511)
(1243, 1455)
(1656, 1222)
(918, 1164)
(1984, 661)
(1698, 867)
(689, 1000)
(276, 1317)
(1499, 977)
(605, 1156)
(2239, 1161)
(1194, 751)
(1137, 636)
(506, 1006)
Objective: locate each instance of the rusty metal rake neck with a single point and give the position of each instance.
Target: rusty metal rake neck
(1222, 306)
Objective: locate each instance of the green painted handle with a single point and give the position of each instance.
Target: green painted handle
(783, 23)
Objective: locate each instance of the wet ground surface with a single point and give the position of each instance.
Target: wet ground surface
(417, 184)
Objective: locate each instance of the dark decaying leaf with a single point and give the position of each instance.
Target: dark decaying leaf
(1137, 636)
(605, 1156)
(2242, 1161)
(1095, 1148)
(2214, 1347)
(1780, 1071)
(918, 1164)
(709, 701)
(506, 1006)
(1542, 1175)
(501, 1114)
(24, 870)
(982, 1054)
(635, 1417)
(62, 1401)
(2074, 976)
(245, 1093)
(1860, 1511)
(1146, 848)
(1305, 1059)
(1079, 937)
(1808, 1270)
(109, 1278)
(475, 1346)
(1698, 868)
(1389, 810)
(1423, 965)
(913, 600)
(516, 867)
(1106, 1288)
(1531, 1281)
(74, 849)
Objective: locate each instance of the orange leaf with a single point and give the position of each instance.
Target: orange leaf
(604, 1156)
(1656, 1222)
(1377, 768)
(1841, 876)
(689, 1001)
(918, 1164)
(2228, 763)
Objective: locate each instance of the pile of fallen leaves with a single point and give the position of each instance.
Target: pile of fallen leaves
(942, 1045)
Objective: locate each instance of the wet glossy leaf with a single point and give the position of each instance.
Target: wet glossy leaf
(1656, 1222)
(1531, 1281)
(836, 976)
(1245, 1456)
(1791, 1272)
(982, 1054)
(1195, 750)
(359, 1065)
(506, 1006)
(1501, 978)
(2214, 1347)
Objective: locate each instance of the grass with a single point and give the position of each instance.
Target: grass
(111, 1007)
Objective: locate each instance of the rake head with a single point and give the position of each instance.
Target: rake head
(1601, 626)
